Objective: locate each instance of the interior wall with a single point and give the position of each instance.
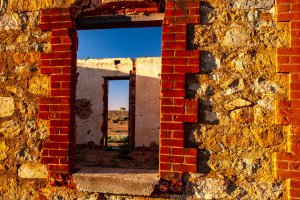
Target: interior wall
(89, 94)
(147, 113)
(89, 97)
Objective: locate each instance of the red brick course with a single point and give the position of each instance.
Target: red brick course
(287, 164)
(177, 62)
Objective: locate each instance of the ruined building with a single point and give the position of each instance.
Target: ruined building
(225, 96)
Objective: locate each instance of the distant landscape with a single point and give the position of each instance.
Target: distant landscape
(117, 127)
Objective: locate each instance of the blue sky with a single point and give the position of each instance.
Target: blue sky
(119, 43)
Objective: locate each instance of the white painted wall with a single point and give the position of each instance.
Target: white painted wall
(147, 113)
(89, 86)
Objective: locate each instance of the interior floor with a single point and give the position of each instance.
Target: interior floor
(142, 158)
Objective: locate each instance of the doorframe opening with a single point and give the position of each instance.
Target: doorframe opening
(130, 130)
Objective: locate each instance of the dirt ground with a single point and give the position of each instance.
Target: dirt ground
(116, 158)
(117, 127)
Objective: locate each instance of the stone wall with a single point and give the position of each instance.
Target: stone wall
(247, 89)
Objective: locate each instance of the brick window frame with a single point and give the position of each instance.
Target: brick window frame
(58, 152)
(287, 163)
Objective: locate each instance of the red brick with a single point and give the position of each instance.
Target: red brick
(45, 152)
(294, 192)
(171, 126)
(295, 77)
(171, 159)
(59, 138)
(51, 56)
(190, 160)
(295, 59)
(55, 11)
(167, 53)
(190, 151)
(178, 151)
(174, 28)
(295, 42)
(173, 93)
(288, 68)
(56, 32)
(191, 110)
(294, 165)
(178, 134)
(43, 108)
(167, 84)
(295, 24)
(295, 94)
(184, 168)
(294, 183)
(165, 77)
(62, 48)
(50, 160)
(285, 17)
(283, 8)
(288, 174)
(166, 101)
(282, 165)
(172, 109)
(178, 45)
(166, 134)
(179, 85)
(59, 168)
(165, 150)
(284, 51)
(283, 59)
(43, 115)
(165, 166)
(60, 108)
(172, 142)
(295, 8)
(60, 123)
(179, 101)
(176, 12)
(62, 93)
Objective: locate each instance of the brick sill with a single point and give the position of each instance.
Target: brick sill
(140, 182)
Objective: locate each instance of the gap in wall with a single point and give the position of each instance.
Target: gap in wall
(117, 116)
(108, 56)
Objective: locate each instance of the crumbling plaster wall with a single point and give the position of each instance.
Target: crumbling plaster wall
(89, 97)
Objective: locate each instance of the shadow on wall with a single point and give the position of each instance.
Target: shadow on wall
(90, 99)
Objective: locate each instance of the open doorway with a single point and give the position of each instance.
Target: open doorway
(117, 113)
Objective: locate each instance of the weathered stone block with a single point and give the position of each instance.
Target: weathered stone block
(3, 150)
(30, 170)
(7, 106)
(39, 85)
(10, 129)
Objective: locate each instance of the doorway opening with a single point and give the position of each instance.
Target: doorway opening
(117, 118)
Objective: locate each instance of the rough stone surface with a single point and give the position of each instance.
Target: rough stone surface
(3, 150)
(10, 129)
(39, 85)
(116, 181)
(30, 170)
(239, 85)
(237, 103)
(6, 106)
(253, 4)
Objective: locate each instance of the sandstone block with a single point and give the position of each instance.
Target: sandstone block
(30, 170)
(10, 129)
(238, 103)
(7, 106)
(3, 150)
